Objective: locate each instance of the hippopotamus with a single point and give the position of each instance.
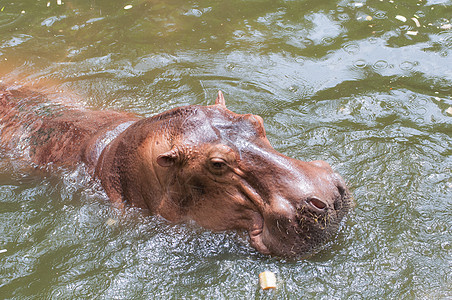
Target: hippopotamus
(201, 163)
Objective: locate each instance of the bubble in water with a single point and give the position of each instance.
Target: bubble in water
(446, 246)
(293, 88)
(421, 111)
(372, 40)
(360, 63)
(379, 14)
(343, 17)
(299, 60)
(327, 41)
(380, 65)
(420, 14)
(427, 252)
(307, 42)
(406, 65)
(446, 39)
(351, 47)
(371, 197)
(230, 66)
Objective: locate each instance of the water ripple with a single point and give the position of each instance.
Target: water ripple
(359, 94)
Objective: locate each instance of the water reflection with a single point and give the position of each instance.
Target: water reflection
(340, 81)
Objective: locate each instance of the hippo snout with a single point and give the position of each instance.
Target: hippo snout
(299, 223)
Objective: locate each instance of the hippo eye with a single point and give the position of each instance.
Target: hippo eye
(218, 164)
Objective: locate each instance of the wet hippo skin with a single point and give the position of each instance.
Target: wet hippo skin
(201, 163)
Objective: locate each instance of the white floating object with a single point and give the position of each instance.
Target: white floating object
(128, 7)
(400, 18)
(449, 110)
(359, 4)
(111, 222)
(412, 32)
(267, 280)
(59, 2)
(3, 250)
(416, 21)
(446, 26)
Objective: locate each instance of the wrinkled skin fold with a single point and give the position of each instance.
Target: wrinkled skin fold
(203, 163)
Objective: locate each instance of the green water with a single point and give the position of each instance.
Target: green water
(343, 81)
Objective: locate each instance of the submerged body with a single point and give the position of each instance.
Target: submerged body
(203, 163)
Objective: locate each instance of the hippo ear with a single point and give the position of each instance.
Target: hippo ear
(220, 99)
(168, 159)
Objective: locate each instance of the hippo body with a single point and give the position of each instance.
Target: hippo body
(203, 163)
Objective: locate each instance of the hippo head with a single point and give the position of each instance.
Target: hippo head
(221, 170)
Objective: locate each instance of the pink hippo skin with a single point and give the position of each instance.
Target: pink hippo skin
(203, 163)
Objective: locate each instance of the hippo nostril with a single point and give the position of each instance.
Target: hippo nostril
(317, 203)
(337, 204)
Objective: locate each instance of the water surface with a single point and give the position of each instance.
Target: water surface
(342, 81)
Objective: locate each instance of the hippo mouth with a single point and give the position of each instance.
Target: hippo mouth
(292, 241)
(256, 240)
(301, 235)
(256, 234)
